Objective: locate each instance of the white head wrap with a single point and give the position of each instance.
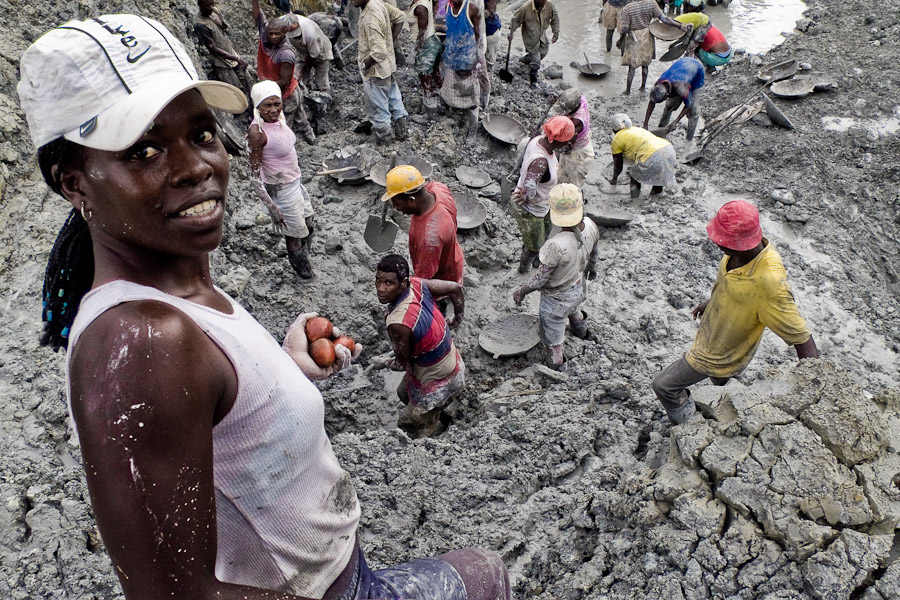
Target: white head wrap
(259, 92)
(620, 121)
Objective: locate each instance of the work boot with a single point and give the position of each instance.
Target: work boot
(300, 262)
(580, 328)
(532, 78)
(382, 139)
(402, 125)
(525, 260)
(309, 134)
(683, 413)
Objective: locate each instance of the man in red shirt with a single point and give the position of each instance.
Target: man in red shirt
(433, 248)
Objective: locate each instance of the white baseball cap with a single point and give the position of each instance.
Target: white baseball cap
(101, 82)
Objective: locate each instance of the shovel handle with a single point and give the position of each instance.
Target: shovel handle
(508, 50)
(334, 171)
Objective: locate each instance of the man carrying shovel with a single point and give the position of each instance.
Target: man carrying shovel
(568, 260)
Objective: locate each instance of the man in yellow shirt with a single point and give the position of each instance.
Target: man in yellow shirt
(751, 293)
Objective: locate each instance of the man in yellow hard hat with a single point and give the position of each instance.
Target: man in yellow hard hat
(433, 248)
(568, 260)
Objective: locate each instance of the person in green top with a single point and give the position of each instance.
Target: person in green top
(751, 293)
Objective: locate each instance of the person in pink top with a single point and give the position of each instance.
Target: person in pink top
(433, 247)
(275, 173)
(575, 164)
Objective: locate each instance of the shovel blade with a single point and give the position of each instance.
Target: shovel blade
(380, 235)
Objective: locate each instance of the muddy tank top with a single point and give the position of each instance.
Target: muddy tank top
(413, 20)
(459, 46)
(539, 206)
(286, 512)
(279, 156)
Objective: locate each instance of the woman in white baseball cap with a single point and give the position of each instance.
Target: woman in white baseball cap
(204, 446)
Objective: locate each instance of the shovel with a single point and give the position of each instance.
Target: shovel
(696, 154)
(587, 63)
(380, 233)
(505, 75)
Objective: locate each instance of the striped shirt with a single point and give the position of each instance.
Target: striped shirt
(433, 353)
(638, 15)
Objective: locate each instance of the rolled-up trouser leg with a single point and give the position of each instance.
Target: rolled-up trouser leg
(671, 384)
(482, 572)
(693, 117)
(293, 111)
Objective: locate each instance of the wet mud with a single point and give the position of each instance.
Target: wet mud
(784, 489)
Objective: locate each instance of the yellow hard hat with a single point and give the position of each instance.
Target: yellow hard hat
(404, 179)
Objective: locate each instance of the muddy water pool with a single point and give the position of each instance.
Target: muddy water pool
(753, 25)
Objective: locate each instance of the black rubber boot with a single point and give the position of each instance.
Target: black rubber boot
(525, 260)
(300, 262)
(402, 131)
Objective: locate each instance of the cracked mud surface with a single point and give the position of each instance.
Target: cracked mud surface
(784, 490)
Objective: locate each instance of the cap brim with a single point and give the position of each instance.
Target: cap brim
(119, 126)
(570, 220)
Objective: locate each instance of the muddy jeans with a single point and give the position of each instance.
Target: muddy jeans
(467, 574)
(383, 103)
(670, 386)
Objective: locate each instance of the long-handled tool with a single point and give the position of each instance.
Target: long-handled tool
(587, 63)
(708, 137)
(336, 171)
(505, 75)
(380, 233)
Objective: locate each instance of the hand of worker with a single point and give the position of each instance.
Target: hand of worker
(517, 197)
(699, 310)
(518, 296)
(457, 319)
(613, 180)
(592, 273)
(297, 347)
(670, 128)
(242, 63)
(510, 36)
(277, 216)
(555, 38)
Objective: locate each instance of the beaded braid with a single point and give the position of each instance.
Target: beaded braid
(70, 268)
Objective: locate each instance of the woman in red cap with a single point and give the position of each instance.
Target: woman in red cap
(537, 176)
(751, 293)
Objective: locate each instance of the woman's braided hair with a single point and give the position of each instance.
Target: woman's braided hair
(70, 268)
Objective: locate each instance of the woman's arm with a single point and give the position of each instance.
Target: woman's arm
(256, 139)
(147, 387)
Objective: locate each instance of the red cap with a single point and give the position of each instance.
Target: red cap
(736, 226)
(559, 129)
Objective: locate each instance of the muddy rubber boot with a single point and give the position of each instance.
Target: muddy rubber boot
(309, 134)
(402, 125)
(683, 413)
(525, 260)
(532, 79)
(386, 138)
(300, 262)
(580, 328)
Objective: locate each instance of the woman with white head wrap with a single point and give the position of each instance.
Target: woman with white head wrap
(275, 173)
(653, 157)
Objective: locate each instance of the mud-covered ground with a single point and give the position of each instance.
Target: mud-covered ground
(784, 490)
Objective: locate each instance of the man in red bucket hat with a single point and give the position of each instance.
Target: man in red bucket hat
(751, 293)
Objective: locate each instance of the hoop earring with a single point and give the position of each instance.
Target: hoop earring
(90, 213)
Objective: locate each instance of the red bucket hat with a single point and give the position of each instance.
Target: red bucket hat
(559, 129)
(736, 226)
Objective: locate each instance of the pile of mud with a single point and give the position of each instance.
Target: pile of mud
(785, 489)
